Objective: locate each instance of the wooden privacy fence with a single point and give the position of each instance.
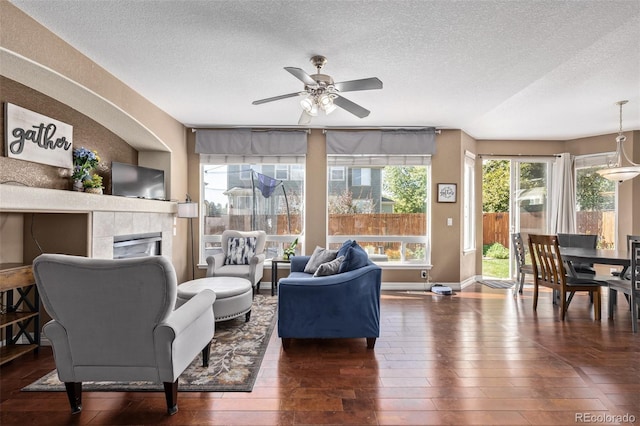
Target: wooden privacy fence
(339, 224)
(495, 226)
(378, 224)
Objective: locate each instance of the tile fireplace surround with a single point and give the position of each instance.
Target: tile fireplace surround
(109, 216)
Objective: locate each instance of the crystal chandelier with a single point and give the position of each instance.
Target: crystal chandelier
(616, 171)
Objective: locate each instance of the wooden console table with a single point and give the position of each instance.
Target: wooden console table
(21, 313)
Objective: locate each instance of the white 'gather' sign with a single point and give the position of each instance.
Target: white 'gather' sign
(35, 137)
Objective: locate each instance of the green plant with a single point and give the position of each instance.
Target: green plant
(94, 182)
(495, 251)
(291, 250)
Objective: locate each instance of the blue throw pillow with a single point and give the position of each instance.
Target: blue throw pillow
(345, 246)
(355, 258)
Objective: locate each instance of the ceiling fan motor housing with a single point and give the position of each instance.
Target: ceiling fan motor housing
(324, 82)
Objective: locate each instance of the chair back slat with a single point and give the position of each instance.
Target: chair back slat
(635, 266)
(548, 267)
(518, 248)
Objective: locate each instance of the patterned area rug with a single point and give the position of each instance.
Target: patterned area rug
(497, 283)
(236, 354)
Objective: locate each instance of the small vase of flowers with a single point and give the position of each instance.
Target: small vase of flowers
(84, 161)
(291, 250)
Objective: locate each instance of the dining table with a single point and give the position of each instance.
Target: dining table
(617, 257)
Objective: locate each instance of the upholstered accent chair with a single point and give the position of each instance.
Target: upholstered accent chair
(242, 256)
(114, 320)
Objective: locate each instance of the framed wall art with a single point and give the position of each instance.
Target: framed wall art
(447, 192)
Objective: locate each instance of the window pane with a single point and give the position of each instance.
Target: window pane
(336, 173)
(383, 208)
(596, 206)
(361, 177)
(245, 197)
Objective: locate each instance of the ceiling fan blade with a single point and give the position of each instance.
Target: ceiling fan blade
(363, 84)
(305, 118)
(301, 75)
(352, 107)
(277, 98)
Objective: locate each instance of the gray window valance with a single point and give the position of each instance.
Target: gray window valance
(382, 142)
(251, 142)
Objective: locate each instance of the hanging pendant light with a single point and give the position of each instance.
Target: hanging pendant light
(618, 172)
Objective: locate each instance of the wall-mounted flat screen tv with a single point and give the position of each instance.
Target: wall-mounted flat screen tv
(128, 180)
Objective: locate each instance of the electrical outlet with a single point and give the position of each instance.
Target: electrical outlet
(423, 274)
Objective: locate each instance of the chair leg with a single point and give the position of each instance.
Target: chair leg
(535, 296)
(635, 311)
(286, 342)
(597, 308)
(247, 316)
(371, 342)
(564, 304)
(521, 283)
(74, 393)
(613, 294)
(171, 395)
(205, 355)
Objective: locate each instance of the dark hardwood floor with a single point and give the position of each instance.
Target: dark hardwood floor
(479, 357)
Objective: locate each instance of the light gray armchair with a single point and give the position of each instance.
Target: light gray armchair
(114, 320)
(234, 261)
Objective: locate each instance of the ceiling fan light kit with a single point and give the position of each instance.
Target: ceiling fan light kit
(322, 94)
(616, 171)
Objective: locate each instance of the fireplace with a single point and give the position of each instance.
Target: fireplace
(138, 245)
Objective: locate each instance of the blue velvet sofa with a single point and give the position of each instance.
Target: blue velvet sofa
(344, 305)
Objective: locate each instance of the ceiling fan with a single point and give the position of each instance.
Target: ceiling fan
(321, 93)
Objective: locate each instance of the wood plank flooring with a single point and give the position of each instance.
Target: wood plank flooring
(479, 357)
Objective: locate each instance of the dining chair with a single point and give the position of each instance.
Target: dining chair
(630, 239)
(549, 271)
(629, 287)
(522, 268)
(579, 241)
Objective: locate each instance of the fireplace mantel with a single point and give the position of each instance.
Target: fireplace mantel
(15, 198)
(107, 216)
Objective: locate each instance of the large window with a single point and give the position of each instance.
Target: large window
(251, 196)
(377, 191)
(383, 207)
(251, 179)
(595, 200)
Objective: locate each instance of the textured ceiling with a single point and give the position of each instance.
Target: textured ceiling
(495, 69)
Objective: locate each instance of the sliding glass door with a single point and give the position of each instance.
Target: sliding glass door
(530, 182)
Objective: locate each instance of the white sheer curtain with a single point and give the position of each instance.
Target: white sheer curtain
(563, 200)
